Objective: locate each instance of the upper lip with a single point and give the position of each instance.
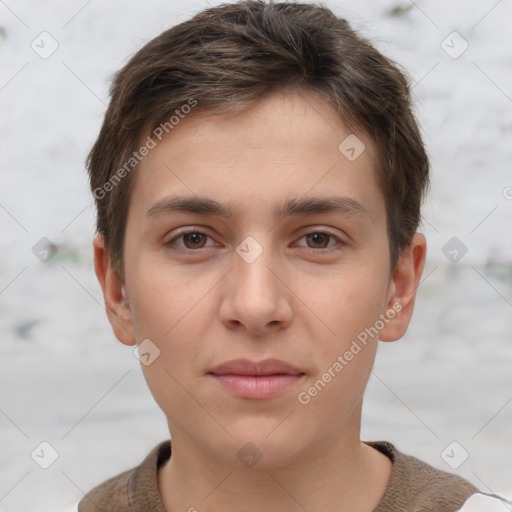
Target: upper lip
(248, 367)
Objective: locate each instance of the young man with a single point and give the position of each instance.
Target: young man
(258, 179)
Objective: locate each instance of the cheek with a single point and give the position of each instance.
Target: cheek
(332, 400)
(173, 310)
(171, 391)
(161, 301)
(344, 358)
(350, 304)
(173, 327)
(171, 324)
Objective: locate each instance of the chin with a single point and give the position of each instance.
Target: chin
(264, 448)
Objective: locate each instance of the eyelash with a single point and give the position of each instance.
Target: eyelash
(170, 243)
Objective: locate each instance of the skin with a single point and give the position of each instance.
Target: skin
(302, 300)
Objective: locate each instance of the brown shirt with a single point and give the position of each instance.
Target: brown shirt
(414, 486)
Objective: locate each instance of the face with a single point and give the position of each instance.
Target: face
(301, 285)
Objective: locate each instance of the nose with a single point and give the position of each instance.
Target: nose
(256, 296)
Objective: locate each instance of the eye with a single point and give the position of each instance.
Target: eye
(192, 239)
(319, 239)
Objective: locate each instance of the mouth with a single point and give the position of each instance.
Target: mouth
(253, 380)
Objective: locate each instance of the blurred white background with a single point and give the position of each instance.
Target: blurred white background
(66, 380)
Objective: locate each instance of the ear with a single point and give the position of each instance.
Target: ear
(402, 289)
(117, 308)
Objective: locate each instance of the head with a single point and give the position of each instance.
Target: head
(267, 111)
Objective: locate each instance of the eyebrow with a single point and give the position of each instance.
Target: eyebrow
(302, 206)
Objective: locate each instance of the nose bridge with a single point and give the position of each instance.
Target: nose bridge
(255, 297)
(252, 263)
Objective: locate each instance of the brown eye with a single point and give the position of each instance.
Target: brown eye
(194, 239)
(318, 239)
(321, 242)
(191, 241)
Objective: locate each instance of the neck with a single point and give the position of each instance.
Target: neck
(338, 474)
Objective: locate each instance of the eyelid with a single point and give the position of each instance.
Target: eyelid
(318, 229)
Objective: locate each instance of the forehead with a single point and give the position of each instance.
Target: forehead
(283, 120)
(288, 145)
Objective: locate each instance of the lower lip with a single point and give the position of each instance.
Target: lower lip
(257, 388)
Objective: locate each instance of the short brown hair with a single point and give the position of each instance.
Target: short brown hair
(232, 55)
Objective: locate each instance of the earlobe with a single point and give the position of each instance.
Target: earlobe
(114, 293)
(403, 287)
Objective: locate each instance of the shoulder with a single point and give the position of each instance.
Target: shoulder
(482, 502)
(130, 489)
(70, 508)
(416, 486)
(109, 494)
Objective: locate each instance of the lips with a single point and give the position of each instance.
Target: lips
(253, 368)
(253, 380)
